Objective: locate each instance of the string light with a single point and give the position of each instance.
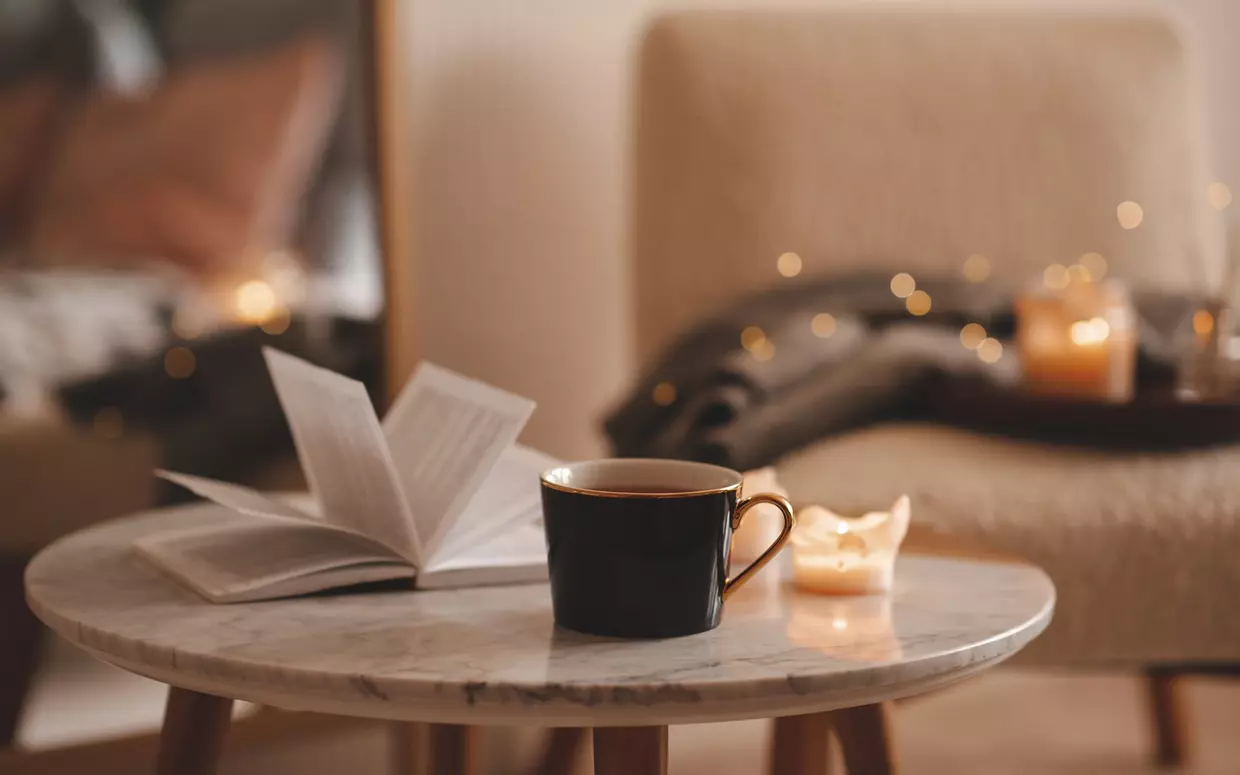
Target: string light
(1203, 323)
(823, 325)
(839, 624)
(279, 322)
(903, 285)
(972, 335)
(664, 394)
(1129, 214)
(179, 362)
(255, 302)
(990, 350)
(1095, 264)
(918, 303)
(1056, 277)
(976, 268)
(789, 265)
(764, 351)
(752, 338)
(1219, 195)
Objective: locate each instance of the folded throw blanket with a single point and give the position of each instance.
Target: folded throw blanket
(708, 398)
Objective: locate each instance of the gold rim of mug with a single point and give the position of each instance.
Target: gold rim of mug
(614, 494)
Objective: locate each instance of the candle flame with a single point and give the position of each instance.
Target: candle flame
(1092, 331)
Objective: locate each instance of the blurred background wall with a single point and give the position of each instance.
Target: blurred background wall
(520, 123)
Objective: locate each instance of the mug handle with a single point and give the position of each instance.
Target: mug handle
(778, 501)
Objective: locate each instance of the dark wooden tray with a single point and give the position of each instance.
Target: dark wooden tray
(1155, 418)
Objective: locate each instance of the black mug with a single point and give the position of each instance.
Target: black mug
(640, 548)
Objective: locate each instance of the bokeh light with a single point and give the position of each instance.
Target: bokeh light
(972, 335)
(752, 337)
(1095, 264)
(1219, 195)
(1087, 332)
(823, 324)
(279, 321)
(918, 302)
(1056, 277)
(789, 265)
(903, 285)
(1129, 214)
(976, 268)
(990, 350)
(764, 351)
(179, 362)
(1203, 323)
(1077, 273)
(255, 302)
(664, 394)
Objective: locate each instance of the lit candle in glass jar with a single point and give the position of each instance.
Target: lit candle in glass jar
(834, 555)
(1080, 341)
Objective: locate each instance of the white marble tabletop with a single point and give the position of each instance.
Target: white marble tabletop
(493, 656)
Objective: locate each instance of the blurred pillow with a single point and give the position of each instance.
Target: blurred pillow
(27, 111)
(207, 167)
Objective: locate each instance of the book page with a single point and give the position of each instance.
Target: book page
(234, 496)
(445, 433)
(343, 452)
(225, 561)
(507, 496)
(515, 556)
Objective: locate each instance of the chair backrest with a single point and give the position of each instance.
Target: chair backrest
(904, 139)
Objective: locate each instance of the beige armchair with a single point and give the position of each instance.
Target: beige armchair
(907, 139)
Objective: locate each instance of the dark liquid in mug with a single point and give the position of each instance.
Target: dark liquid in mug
(640, 489)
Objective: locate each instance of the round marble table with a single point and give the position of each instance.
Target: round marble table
(492, 655)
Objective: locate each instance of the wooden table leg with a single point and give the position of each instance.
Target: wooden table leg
(865, 737)
(193, 734)
(20, 636)
(560, 751)
(449, 749)
(1168, 718)
(801, 745)
(630, 751)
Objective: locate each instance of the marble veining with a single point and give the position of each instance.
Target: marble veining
(493, 655)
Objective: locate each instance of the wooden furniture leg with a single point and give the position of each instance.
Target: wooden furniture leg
(630, 751)
(193, 733)
(1165, 694)
(560, 752)
(20, 636)
(449, 751)
(801, 745)
(865, 738)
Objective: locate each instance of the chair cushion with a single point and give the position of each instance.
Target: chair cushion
(1142, 547)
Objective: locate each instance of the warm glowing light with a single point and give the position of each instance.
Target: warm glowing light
(1092, 331)
(990, 350)
(1203, 322)
(972, 335)
(1219, 195)
(839, 623)
(279, 322)
(1056, 277)
(1077, 273)
(752, 338)
(903, 285)
(664, 394)
(255, 302)
(841, 527)
(976, 268)
(179, 362)
(109, 423)
(918, 303)
(1129, 214)
(764, 351)
(789, 265)
(1095, 264)
(823, 324)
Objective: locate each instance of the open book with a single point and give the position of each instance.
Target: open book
(439, 492)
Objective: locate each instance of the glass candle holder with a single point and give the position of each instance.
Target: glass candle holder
(1078, 342)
